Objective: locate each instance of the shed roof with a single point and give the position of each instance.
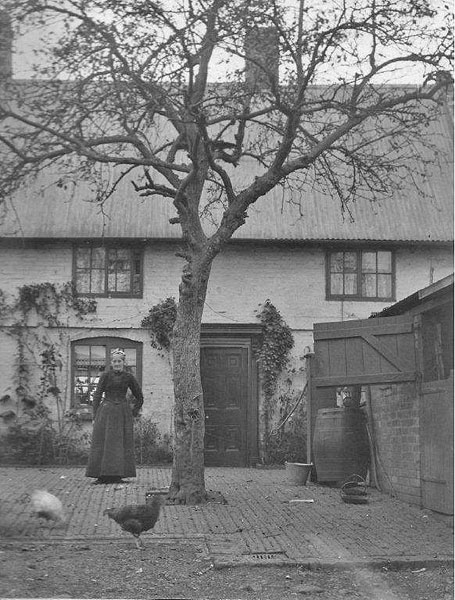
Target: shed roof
(435, 290)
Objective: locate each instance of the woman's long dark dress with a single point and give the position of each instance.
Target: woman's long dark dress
(112, 448)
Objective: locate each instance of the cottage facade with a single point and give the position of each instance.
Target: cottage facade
(302, 278)
(313, 259)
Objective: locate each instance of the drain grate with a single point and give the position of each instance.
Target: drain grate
(277, 558)
(267, 555)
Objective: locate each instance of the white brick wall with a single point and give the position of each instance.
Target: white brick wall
(294, 280)
(243, 277)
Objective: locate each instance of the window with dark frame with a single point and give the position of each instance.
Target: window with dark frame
(91, 357)
(360, 275)
(108, 271)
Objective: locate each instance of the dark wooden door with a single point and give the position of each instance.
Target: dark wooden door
(224, 373)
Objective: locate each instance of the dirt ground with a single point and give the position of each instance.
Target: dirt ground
(182, 569)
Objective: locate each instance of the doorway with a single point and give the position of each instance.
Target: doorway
(229, 383)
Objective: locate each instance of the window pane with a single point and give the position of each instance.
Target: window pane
(119, 259)
(336, 285)
(82, 358)
(81, 391)
(98, 357)
(336, 262)
(369, 286)
(123, 258)
(350, 261)
(350, 284)
(97, 286)
(119, 282)
(136, 284)
(112, 260)
(112, 282)
(83, 258)
(83, 282)
(123, 282)
(368, 262)
(384, 286)
(137, 273)
(98, 255)
(89, 362)
(130, 356)
(119, 270)
(131, 360)
(384, 262)
(137, 264)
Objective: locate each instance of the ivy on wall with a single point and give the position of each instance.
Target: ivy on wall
(275, 346)
(160, 323)
(47, 299)
(287, 441)
(32, 430)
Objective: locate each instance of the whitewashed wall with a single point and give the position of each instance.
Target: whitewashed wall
(243, 277)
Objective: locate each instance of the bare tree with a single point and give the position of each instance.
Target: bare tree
(137, 85)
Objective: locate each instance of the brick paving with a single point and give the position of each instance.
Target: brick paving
(258, 525)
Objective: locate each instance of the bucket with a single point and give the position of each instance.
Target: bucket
(298, 473)
(340, 444)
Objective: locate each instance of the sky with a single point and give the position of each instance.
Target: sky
(25, 46)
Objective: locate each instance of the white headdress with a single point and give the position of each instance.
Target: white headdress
(118, 352)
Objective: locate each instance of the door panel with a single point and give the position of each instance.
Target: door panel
(224, 373)
(436, 444)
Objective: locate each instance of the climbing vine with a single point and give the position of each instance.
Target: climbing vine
(160, 323)
(285, 440)
(33, 431)
(275, 346)
(47, 299)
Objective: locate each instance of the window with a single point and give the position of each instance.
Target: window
(89, 360)
(360, 275)
(108, 271)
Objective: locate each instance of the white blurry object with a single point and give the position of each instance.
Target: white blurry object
(48, 506)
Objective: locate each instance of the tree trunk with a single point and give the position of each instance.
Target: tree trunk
(188, 484)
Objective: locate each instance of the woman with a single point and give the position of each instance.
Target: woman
(112, 450)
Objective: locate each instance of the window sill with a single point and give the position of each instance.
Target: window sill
(111, 296)
(357, 299)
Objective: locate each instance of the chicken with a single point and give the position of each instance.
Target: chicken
(47, 506)
(136, 518)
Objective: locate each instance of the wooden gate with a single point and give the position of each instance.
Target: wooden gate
(363, 352)
(389, 350)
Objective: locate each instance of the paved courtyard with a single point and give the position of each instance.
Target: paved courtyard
(266, 519)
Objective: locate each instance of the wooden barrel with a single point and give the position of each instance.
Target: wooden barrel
(340, 444)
